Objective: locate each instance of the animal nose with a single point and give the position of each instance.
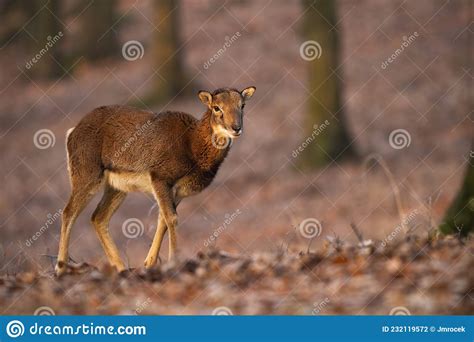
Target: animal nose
(237, 128)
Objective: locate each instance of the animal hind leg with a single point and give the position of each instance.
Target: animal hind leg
(77, 202)
(109, 203)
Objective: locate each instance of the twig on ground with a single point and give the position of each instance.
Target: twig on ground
(309, 245)
(335, 242)
(126, 253)
(357, 232)
(394, 186)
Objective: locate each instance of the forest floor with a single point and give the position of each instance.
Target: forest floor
(265, 268)
(412, 276)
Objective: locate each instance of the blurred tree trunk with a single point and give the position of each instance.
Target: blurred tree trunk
(46, 26)
(35, 26)
(98, 37)
(460, 216)
(325, 103)
(13, 14)
(167, 53)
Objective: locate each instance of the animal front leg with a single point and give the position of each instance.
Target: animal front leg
(164, 196)
(172, 243)
(154, 251)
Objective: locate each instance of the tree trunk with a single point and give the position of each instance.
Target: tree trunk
(460, 216)
(43, 49)
(169, 79)
(13, 15)
(98, 31)
(331, 139)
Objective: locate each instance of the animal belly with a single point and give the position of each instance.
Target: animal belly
(129, 182)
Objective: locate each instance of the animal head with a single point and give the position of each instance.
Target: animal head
(227, 108)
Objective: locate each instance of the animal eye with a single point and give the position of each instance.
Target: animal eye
(217, 109)
(243, 105)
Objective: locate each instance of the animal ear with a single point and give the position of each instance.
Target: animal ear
(248, 92)
(205, 97)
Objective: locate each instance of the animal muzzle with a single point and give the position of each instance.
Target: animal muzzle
(236, 130)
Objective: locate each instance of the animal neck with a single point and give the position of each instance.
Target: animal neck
(207, 153)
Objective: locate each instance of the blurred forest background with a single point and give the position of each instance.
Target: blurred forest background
(340, 84)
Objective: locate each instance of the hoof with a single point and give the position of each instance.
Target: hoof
(60, 268)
